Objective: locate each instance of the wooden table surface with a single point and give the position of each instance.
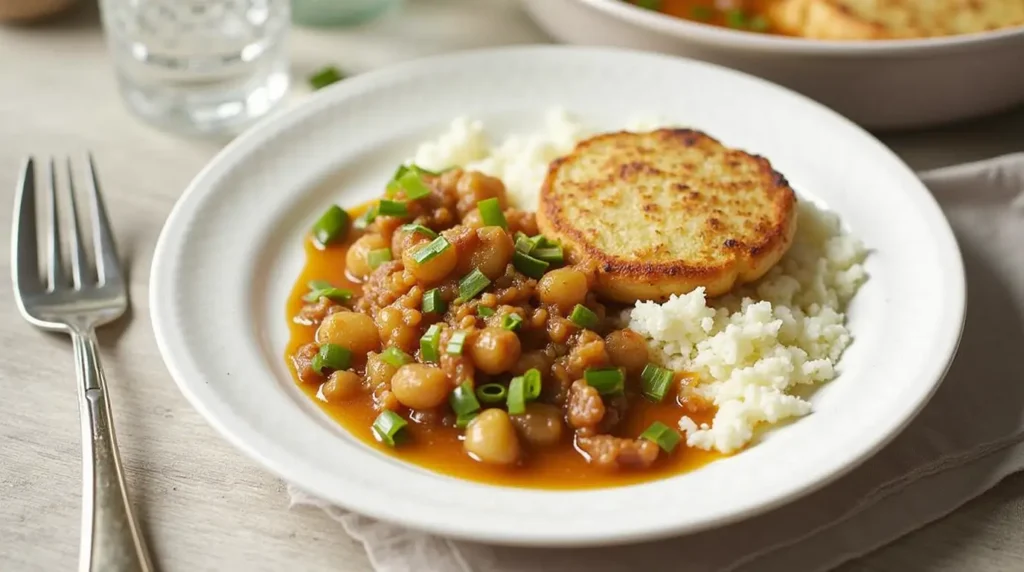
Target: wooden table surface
(203, 504)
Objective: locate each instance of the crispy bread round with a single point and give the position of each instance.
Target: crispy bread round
(665, 212)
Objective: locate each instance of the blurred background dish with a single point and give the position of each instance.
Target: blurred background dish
(29, 10)
(881, 84)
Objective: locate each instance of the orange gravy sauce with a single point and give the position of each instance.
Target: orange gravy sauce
(440, 448)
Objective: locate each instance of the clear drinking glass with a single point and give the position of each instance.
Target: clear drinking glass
(208, 66)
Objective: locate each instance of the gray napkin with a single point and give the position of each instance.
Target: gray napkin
(967, 439)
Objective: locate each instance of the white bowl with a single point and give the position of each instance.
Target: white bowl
(880, 84)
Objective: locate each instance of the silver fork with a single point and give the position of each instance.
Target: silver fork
(92, 295)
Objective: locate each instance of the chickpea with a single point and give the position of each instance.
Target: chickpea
(536, 359)
(627, 349)
(342, 385)
(563, 287)
(491, 438)
(393, 328)
(474, 186)
(495, 350)
(473, 219)
(492, 252)
(351, 330)
(433, 270)
(356, 258)
(420, 386)
(540, 425)
(403, 240)
(378, 371)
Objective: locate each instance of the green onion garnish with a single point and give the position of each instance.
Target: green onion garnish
(433, 302)
(649, 4)
(666, 437)
(655, 382)
(323, 289)
(430, 344)
(472, 284)
(395, 357)
(529, 265)
(377, 257)
(583, 317)
(331, 356)
(516, 400)
(413, 185)
(531, 384)
(735, 19)
(549, 254)
(523, 243)
(391, 208)
(332, 226)
(702, 12)
(367, 217)
(463, 420)
(490, 213)
(606, 380)
(455, 343)
(758, 24)
(388, 426)
(484, 311)
(430, 250)
(491, 393)
(463, 401)
(418, 228)
(511, 322)
(325, 77)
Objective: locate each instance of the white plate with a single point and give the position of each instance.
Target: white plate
(232, 248)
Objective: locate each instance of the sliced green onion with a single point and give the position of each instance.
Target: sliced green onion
(702, 12)
(735, 19)
(395, 357)
(529, 265)
(377, 257)
(433, 302)
(758, 24)
(649, 4)
(391, 208)
(463, 400)
(331, 356)
(413, 185)
(606, 380)
(531, 384)
(523, 243)
(462, 421)
(367, 217)
(323, 289)
(583, 317)
(430, 250)
(401, 171)
(455, 343)
(392, 188)
(666, 437)
(484, 311)
(511, 322)
(490, 213)
(430, 344)
(387, 428)
(655, 382)
(418, 228)
(516, 400)
(325, 77)
(491, 393)
(472, 284)
(549, 254)
(332, 226)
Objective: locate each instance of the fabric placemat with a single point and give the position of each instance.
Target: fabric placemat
(968, 438)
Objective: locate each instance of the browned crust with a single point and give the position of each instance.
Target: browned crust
(675, 277)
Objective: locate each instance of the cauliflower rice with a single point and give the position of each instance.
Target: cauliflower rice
(752, 348)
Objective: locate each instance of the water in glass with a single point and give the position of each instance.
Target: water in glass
(210, 66)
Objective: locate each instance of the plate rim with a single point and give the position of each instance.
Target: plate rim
(235, 435)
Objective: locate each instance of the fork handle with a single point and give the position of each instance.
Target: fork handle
(111, 539)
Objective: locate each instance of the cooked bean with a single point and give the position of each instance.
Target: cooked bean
(495, 350)
(492, 253)
(491, 438)
(394, 329)
(434, 269)
(355, 259)
(563, 287)
(473, 219)
(420, 386)
(403, 240)
(378, 371)
(351, 330)
(536, 359)
(341, 385)
(540, 425)
(627, 349)
(474, 186)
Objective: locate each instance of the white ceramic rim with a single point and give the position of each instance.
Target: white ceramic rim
(193, 379)
(724, 37)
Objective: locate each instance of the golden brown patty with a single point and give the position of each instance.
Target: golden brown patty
(877, 19)
(664, 212)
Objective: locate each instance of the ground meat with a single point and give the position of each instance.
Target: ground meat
(383, 286)
(584, 408)
(313, 314)
(615, 409)
(521, 221)
(303, 362)
(586, 351)
(614, 452)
